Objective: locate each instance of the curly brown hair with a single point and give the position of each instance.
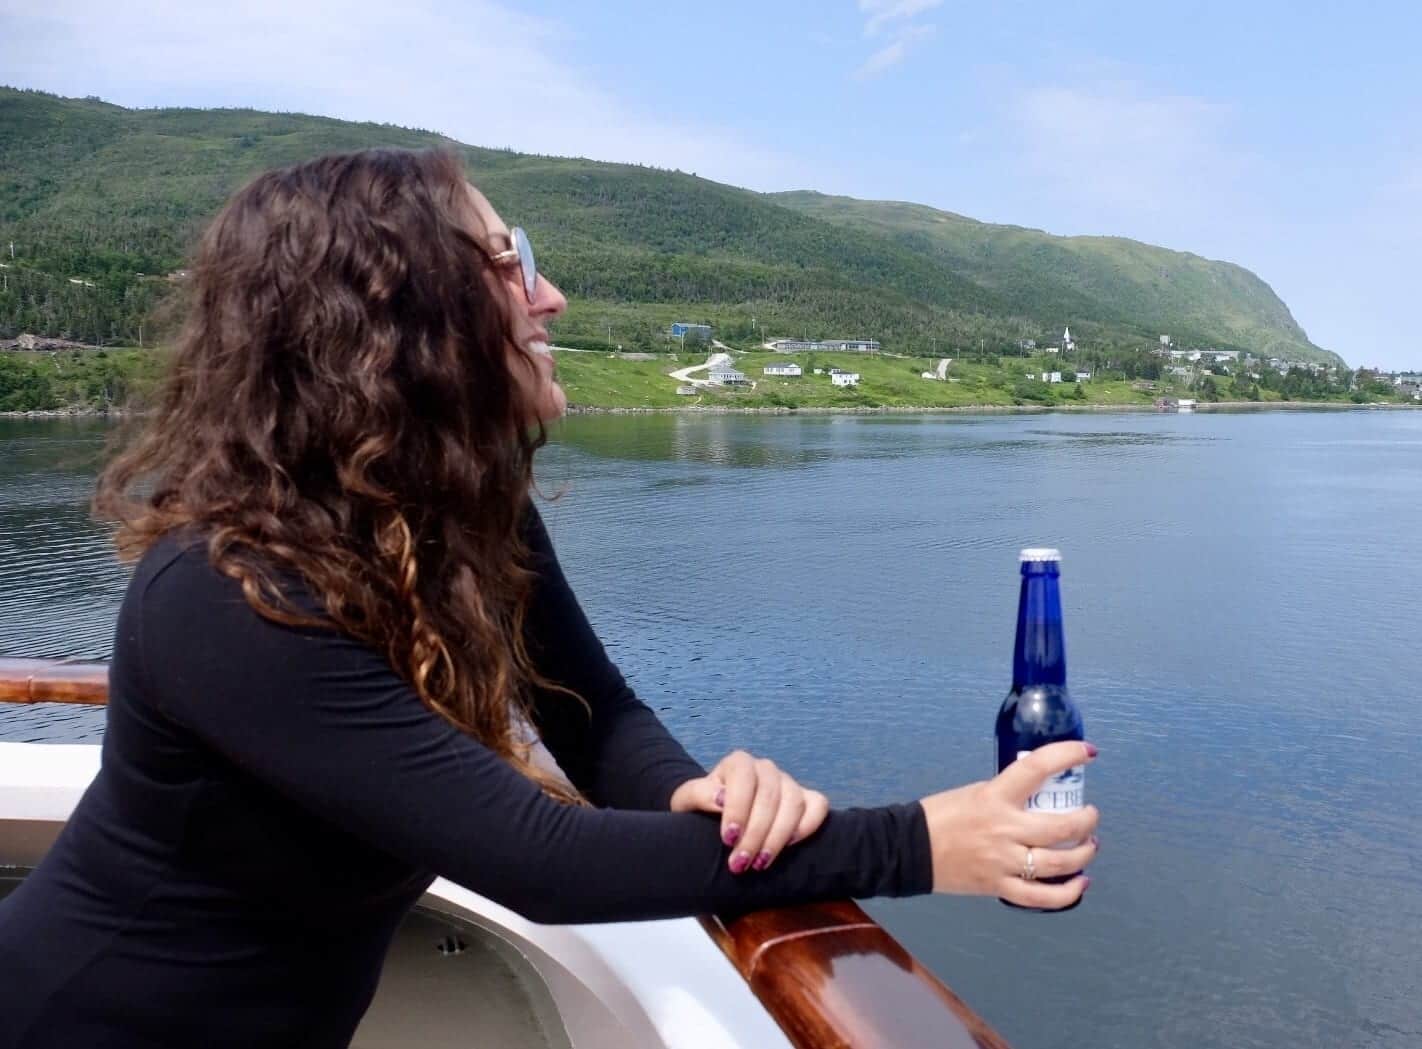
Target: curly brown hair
(340, 405)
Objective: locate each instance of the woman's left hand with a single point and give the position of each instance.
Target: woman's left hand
(762, 808)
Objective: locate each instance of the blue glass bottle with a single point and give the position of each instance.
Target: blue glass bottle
(1039, 709)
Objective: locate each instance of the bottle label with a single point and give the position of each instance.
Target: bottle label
(1064, 792)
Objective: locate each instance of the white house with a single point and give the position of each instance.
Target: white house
(1052, 376)
(1083, 376)
(1051, 349)
(1067, 343)
(784, 368)
(725, 375)
(840, 378)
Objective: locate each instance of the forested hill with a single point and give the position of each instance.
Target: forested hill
(102, 202)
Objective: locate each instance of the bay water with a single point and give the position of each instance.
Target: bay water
(1241, 595)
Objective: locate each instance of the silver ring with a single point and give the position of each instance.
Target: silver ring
(1029, 869)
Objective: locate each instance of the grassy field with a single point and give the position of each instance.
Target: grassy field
(100, 380)
(601, 380)
(85, 381)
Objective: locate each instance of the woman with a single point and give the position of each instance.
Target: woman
(345, 621)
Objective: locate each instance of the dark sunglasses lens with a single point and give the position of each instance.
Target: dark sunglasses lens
(525, 260)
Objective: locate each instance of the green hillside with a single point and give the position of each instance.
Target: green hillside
(1107, 282)
(102, 201)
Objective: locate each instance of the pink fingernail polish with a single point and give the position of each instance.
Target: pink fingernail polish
(762, 861)
(732, 835)
(739, 862)
(721, 797)
(1085, 884)
(1091, 750)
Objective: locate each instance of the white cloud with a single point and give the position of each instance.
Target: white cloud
(475, 70)
(881, 12)
(892, 54)
(904, 33)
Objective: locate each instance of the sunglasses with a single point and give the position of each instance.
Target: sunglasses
(521, 254)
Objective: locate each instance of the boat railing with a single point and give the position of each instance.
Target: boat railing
(828, 973)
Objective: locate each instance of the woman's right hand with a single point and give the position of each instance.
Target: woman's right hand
(980, 833)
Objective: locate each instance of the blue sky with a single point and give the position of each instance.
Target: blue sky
(1284, 137)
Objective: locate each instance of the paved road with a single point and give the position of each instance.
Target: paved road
(684, 375)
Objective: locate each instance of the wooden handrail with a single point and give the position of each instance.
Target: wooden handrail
(53, 681)
(830, 975)
(833, 977)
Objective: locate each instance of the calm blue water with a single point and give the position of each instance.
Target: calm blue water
(1241, 598)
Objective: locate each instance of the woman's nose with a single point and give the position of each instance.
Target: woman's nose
(548, 300)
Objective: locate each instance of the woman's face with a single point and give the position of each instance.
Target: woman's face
(530, 360)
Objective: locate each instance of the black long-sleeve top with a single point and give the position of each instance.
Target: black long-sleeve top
(273, 799)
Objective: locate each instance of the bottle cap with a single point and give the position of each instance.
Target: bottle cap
(1039, 553)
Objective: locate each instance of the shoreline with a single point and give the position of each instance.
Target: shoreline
(960, 409)
(997, 409)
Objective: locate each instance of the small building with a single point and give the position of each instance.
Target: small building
(1052, 376)
(1067, 344)
(726, 375)
(692, 332)
(840, 378)
(1083, 376)
(687, 391)
(819, 371)
(1031, 376)
(1051, 349)
(784, 368)
(824, 345)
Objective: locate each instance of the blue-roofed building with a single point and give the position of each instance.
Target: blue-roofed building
(694, 332)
